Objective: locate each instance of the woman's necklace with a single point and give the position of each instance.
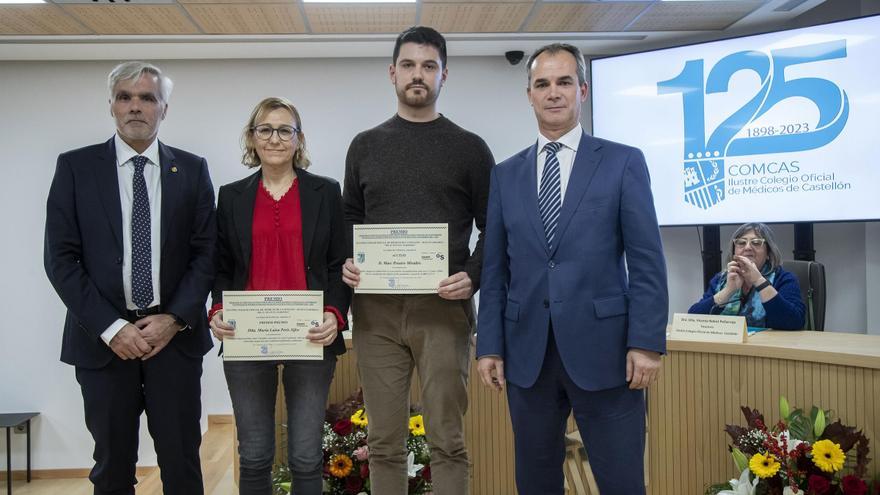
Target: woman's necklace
(277, 191)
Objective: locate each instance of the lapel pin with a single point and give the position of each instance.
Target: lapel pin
(174, 170)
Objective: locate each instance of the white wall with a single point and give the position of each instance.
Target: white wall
(872, 276)
(50, 107)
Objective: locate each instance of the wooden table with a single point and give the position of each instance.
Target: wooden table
(703, 385)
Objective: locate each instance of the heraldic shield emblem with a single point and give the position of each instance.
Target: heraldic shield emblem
(704, 182)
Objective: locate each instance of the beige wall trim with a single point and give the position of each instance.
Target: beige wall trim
(54, 474)
(220, 419)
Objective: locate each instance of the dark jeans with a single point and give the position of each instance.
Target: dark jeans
(252, 387)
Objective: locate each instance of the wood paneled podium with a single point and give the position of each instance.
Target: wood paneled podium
(703, 385)
(701, 389)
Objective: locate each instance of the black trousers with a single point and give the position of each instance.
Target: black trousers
(168, 388)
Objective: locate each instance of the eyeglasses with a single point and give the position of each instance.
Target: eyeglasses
(742, 241)
(264, 132)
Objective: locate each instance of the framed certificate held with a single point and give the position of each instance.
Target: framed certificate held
(272, 325)
(401, 258)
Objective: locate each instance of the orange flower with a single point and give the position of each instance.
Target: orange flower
(340, 465)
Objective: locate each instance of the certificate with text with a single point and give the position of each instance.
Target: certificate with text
(401, 258)
(272, 325)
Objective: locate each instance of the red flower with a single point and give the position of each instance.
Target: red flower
(852, 485)
(426, 473)
(343, 427)
(818, 485)
(354, 485)
(365, 470)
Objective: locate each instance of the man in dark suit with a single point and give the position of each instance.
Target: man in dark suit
(129, 245)
(574, 301)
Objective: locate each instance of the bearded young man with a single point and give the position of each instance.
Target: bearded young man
(418, 167)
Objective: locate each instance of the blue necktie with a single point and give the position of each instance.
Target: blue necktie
(550, 192)
(141, 250)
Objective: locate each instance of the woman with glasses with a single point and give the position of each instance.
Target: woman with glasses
(281, 229)
(753, 283)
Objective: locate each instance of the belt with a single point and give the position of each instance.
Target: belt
(134, 315)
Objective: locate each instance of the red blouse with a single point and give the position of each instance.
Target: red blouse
(277, 260)
(276, 242)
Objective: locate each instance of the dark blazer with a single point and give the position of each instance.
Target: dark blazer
(83, 248)
(324, 245)
(603, 284)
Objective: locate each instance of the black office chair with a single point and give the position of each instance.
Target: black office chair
(811, 277)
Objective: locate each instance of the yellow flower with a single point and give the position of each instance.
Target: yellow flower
(359, 418)
(764, 465)
(417, 425)
(827, 456)
(340, 465)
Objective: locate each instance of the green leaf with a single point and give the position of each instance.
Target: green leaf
(819, 424)
(783, 408)
(800, 426)
(714, 489)
(739, 459)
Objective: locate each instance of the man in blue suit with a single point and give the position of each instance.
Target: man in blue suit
(573, 305)
(129, 243)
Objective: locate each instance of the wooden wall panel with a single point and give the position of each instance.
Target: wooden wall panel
(475, 17)
(133, 19)
(693, 15)
(38, 20)
(247, 18)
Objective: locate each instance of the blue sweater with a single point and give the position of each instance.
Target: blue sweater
(785, 311)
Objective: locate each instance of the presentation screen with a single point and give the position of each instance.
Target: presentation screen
(777, 127)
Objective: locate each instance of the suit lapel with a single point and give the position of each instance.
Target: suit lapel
(171, 183)
(528, 180)
(243, 216)
(310, 205)
(586, 162)
(107, 178)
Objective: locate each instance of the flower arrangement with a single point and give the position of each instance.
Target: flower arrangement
(801, 453)
(347, 453)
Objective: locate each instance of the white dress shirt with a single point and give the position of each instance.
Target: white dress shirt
(565, 155)
(152, 176)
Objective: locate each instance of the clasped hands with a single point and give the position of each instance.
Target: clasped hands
(741, 269)
(456, 286)
(144, 338)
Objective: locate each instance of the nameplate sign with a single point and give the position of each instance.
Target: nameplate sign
(708, 328)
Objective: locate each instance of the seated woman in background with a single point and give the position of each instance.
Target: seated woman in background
(753, 284)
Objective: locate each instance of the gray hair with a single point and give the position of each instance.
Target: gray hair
(763, 231)
(129, 71)
(555, 48)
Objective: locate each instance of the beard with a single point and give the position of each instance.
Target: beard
(424, 98)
